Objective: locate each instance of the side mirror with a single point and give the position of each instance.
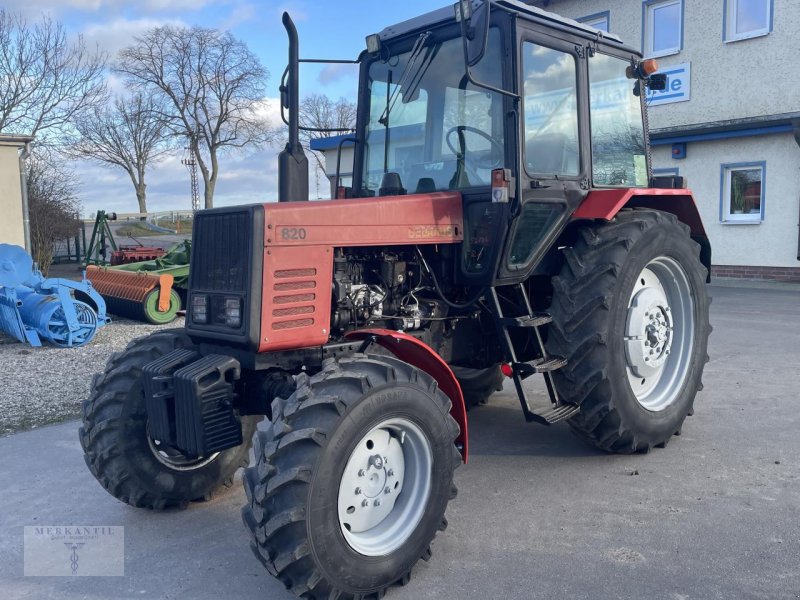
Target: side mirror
(474, 18)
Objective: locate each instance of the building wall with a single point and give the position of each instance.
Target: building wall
(11, 223)
(730, 80)
(771, 243)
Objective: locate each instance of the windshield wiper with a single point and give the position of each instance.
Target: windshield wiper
(416, 51)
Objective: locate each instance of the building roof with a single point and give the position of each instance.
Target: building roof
(10, 139)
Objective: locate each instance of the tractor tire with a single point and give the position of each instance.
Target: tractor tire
(478, 385)
(120, 453)
(630, 315)
(352, 478)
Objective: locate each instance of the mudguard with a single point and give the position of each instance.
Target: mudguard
(411, 350)
(605, 204)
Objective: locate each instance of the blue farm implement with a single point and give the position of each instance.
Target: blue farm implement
(33, 308)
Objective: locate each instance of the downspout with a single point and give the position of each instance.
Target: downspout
(23, 183)
(796, 131)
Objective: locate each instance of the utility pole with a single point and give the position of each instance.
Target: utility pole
(190, 162)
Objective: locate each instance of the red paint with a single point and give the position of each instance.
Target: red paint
(411, 350)
(605, 204)
(300, 239)
(435, 218)
(507, 370)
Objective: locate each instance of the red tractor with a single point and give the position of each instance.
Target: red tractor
(502, 221)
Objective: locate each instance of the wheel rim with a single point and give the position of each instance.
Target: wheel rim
(385, 487)
(659, 333)
(172, 458)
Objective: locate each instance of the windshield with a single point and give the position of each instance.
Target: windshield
(618, 146)
(425, 118)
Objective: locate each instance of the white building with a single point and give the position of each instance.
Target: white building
(13, 204)
(729, 121)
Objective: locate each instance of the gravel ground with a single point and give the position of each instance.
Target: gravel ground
(46, 385)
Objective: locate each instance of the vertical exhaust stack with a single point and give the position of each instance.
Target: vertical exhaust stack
(292, 161)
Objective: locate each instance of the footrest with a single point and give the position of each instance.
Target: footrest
(534, 320)
(555, 414)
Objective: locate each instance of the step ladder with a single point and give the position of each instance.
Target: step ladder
(558, 410)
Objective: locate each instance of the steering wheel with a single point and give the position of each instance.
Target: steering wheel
(495, 158)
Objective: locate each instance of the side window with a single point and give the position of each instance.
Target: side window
(551, 111)
(746, 19)
(663, 27)
(618, 147)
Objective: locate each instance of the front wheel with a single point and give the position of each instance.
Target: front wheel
(630, 313)
(352, 478)
(122, 455)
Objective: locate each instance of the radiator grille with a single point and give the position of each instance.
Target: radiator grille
(221, 261)
(293, 309)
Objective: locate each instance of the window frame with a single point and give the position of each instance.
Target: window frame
(590, 19)
(648, 12)
(729, 13)
(726, 217)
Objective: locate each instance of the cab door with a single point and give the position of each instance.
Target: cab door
(553, 156)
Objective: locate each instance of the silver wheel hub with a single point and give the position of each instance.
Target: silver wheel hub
(648, 335)
(659, 333)
(384, 487)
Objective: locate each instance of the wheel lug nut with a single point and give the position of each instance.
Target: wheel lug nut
(361, 472)
(358, 491)
(364, 503)
(387, 490)
(390, 473)
(377, 501)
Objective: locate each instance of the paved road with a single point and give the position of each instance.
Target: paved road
(539, 515)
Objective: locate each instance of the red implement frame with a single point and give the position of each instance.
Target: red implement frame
(132, 286)
(411, 350)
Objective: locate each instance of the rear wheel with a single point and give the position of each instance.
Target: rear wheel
(352, 478)
(630, 313)
(478, 385)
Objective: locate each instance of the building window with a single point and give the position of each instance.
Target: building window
(746, 19)
(666, 172)
(743, 187)
(662, 27)
(598, 21)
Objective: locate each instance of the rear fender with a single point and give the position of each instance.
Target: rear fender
(605, 204)
(411, 350)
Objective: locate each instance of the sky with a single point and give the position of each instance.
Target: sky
(327, 29)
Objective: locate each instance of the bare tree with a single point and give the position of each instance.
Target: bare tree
(54, 206)
(318, 111)
(128, 135)
(45, 80)
(213, 89)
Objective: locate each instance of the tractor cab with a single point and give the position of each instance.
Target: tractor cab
(518, 109)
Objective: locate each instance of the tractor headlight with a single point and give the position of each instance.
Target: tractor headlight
(233, 312)
(200, 308)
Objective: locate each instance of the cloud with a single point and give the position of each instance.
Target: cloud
(241, 13)
(114, 35)
(336, 71)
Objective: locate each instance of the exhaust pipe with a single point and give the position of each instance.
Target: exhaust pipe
(292, 161)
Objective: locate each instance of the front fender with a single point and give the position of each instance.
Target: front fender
(415, 352)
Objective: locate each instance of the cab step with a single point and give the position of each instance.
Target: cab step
(541, 365)
(553, 414)
(534, 320)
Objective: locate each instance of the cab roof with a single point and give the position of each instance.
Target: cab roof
(526, 11)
